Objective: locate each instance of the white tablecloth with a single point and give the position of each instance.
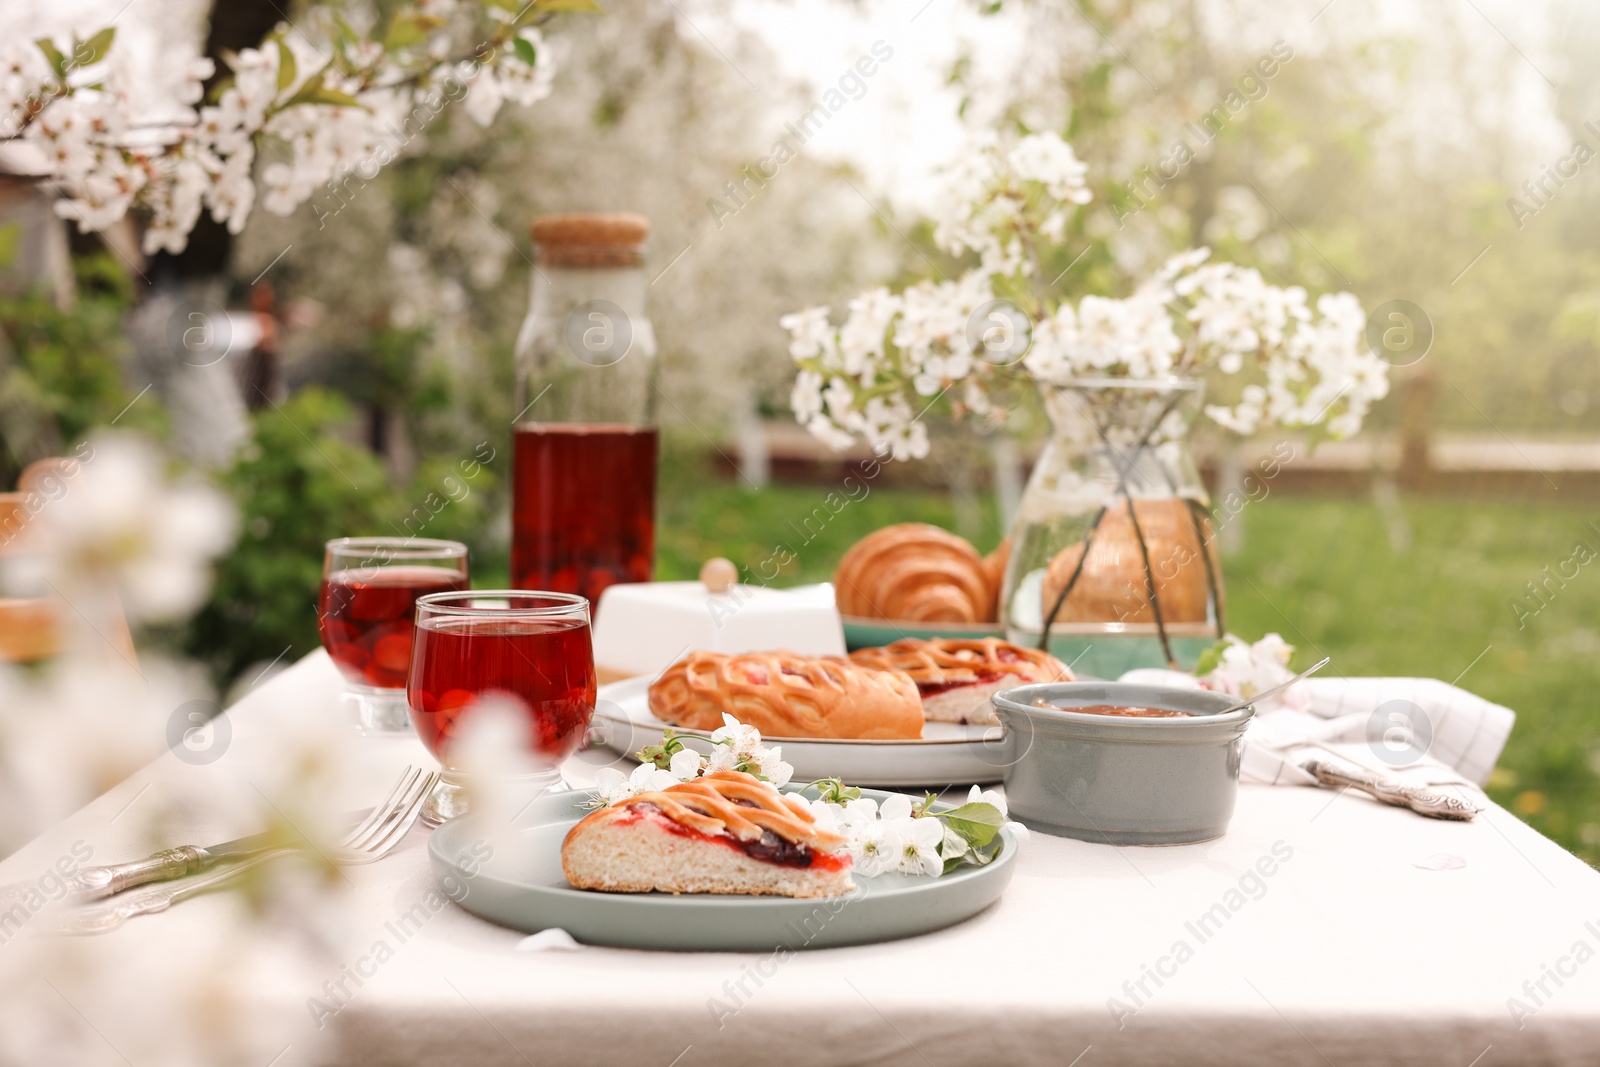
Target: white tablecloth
(1352, 950)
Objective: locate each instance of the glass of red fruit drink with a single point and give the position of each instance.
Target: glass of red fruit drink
(529, 651)
(366, 616)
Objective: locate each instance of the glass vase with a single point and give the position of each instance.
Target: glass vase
(1113, 561)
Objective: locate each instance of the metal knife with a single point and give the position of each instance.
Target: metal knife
(97, 883)
(1433, 803)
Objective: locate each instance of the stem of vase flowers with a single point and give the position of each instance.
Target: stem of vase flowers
(1150, 584)
(1197, 517)
(1197, 514)
(1126, 468)
(1077, 571)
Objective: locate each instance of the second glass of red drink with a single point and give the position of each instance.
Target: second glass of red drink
(366, 614)
(527, 650)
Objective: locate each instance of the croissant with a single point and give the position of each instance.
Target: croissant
(958, 677)
(786, 695)
(994, 571)
(1112, 586)
(728, 832)
(914, 572)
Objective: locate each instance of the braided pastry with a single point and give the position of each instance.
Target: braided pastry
(727, 832)
(957, 677)
(914, 572)
(786, 695)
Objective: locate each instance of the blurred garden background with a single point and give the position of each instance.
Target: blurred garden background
(1429, 151)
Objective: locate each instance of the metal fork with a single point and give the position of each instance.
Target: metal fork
(374, 838)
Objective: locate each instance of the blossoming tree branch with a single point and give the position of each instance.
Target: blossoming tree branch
(304, 111)
(1295, 362)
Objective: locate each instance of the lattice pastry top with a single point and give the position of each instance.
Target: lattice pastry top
(787, 695)
(740, 805)
(948, 661)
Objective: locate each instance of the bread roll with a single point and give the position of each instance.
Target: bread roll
(1112, 587)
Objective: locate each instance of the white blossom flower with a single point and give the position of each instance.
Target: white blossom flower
(896, 356)
(895, 806)
(613, 786)
(805, 396)
(123, 528)
(875, 848)
(1247, 669)
(919, 841)
(739, 738)
(1046, 158)
(979, 795)
(828, 817)
(82, 130)
(685, 764)
(859, 813)
(769, 765)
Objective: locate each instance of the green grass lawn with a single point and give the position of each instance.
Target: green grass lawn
(1423, 591)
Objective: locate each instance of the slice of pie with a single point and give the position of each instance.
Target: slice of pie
(956, 677)
(727, 832)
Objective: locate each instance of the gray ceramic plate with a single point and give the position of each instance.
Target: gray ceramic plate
(527, 891)
(945, 753)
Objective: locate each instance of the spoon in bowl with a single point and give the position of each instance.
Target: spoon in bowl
(1275, 690)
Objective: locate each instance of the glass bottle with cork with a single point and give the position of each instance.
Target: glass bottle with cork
(584, 445)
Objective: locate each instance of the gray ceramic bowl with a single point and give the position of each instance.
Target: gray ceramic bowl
(1116, 780)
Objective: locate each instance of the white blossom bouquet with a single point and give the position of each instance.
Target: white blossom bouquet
(316, 111)
(900, 834)
(1300, 363)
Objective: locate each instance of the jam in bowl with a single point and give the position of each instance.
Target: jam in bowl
(1121, 763)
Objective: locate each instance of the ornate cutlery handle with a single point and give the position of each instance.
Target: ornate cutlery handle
(107, 915)
(1430, 802)
(96, 883)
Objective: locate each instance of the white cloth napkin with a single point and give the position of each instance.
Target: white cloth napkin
(1463, 733)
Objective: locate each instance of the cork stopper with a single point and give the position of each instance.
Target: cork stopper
(591, 240)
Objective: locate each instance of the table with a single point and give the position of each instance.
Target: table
(1307, 935)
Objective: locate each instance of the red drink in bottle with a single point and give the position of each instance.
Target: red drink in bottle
(583, 511)
(365, 616)
(584, 452)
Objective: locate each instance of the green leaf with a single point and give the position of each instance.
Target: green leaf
(313, 93)
(977, 822)
(584, 7)
(1210, 659)
(524, 50)
(58, 62)
(343, 35)
(954, 846)
(661, 755)
(95, 48)
(286, 66)
(409, 28)
(834, 791)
